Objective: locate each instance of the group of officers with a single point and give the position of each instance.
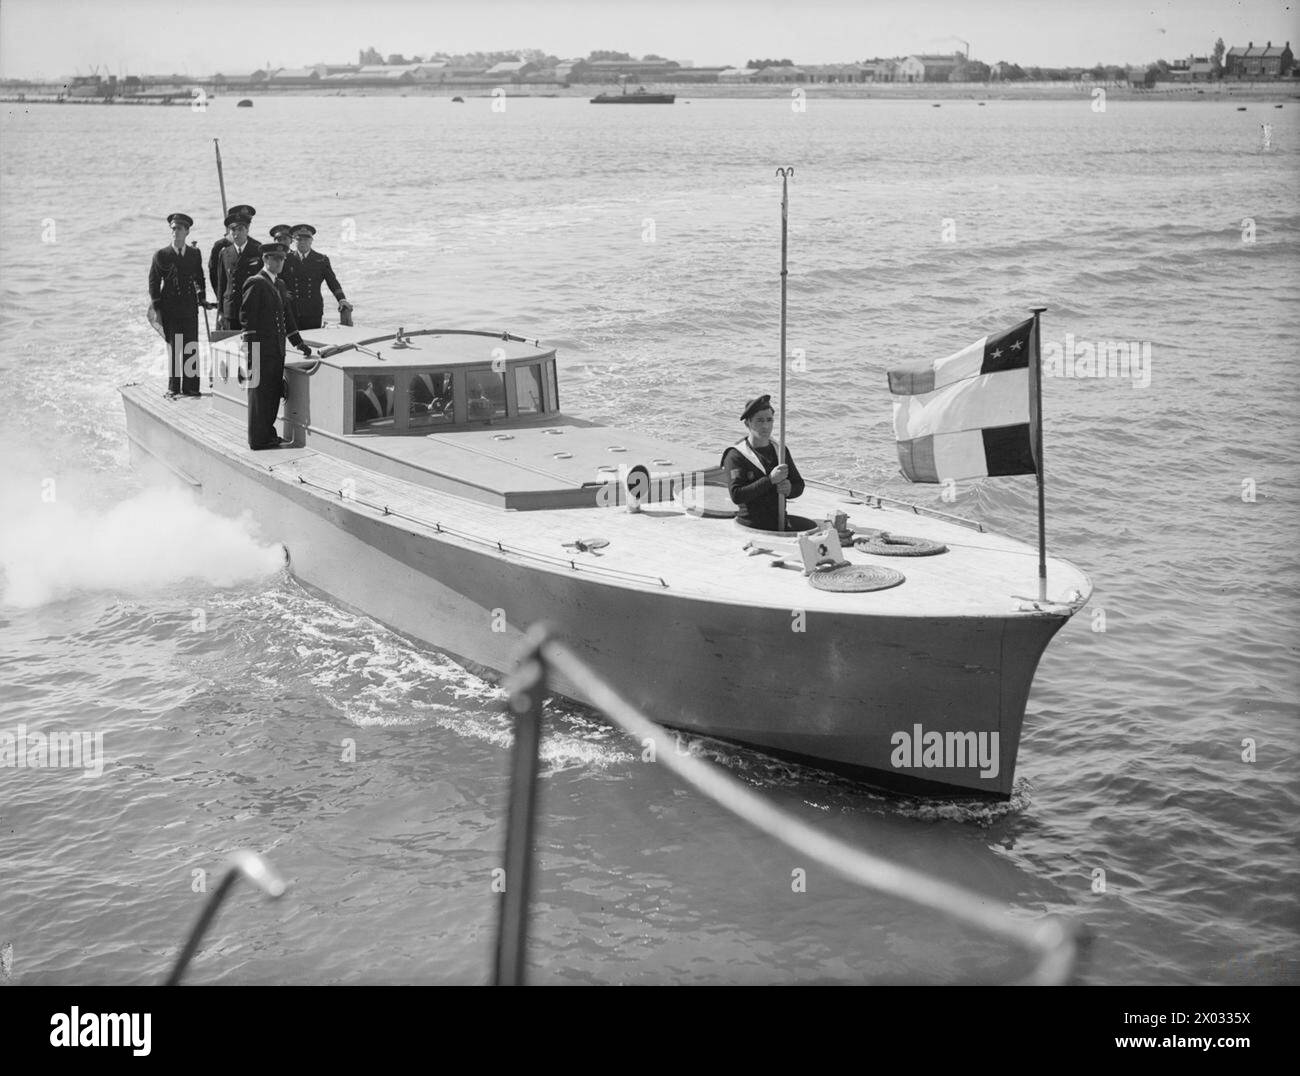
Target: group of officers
(266, 290)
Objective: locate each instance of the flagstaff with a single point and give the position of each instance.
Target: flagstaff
(1037, 375)
(221, 178)
(785, 174)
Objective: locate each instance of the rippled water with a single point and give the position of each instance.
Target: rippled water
(644, 243)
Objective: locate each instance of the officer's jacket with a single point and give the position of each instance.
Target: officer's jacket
(214, 268)
(267, 316)
(176, 280)
(305, 277)
(237, 268)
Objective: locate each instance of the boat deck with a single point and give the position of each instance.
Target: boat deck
(663, 546)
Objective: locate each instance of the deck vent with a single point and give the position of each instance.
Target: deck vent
(616, 448)
(564, 455)
(553, 431)
(503, 437)
(662, 463)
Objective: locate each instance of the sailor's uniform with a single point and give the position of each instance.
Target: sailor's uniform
(176, 288)
(236, 267)
(752, 491)
(267, 318)
(305, 273)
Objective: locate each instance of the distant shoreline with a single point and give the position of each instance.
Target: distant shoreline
(883, 91)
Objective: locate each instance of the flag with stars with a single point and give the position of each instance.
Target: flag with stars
(969, 415)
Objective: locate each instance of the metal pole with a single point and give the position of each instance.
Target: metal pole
(207, 325)
(221, 178)
(1037, 376)
(243, 864)
(527, 688)
(785, 174)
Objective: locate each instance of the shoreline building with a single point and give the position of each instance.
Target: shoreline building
(1267, 61)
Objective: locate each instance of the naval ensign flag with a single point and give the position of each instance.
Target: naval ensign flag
(972, 414)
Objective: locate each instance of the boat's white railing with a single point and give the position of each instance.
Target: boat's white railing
(1051, 940)
(880, 500)
(437, 527)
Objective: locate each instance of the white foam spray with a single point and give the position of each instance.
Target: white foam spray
(56, 544)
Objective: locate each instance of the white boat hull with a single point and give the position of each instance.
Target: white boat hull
(839, 693)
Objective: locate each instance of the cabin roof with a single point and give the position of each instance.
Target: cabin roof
(522, 464)
(342, 348)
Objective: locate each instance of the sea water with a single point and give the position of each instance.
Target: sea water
(1156, 793)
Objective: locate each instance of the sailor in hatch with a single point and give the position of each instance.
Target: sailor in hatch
(754, 476)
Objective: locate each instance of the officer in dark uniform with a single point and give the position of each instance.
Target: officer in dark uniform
(754, 475)
(176, 290)
(239, 261)
(214, 259)
(311, 269)
(266, 315)
(283, 233)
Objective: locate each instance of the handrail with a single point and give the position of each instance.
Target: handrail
(1053, 940)
(492, 543)
(881, 500)
(338, 349)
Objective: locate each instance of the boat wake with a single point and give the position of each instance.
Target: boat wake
(376, 678)
(57, 542)
(834, 793)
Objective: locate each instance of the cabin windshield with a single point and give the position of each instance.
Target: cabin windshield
(423, 400)
(372, 402)
(433, 399)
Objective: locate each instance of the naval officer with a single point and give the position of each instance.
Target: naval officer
(267, 318)
(283, 233)
(239, 261)
(310, 269)
(176, 290)
(754, 474)
(214, 259)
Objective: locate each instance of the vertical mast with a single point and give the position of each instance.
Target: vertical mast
(221, 178)
(785, 174)
(1036, 374)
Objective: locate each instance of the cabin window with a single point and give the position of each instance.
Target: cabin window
(528, 390)
(552, 392)
(432, 401)
(372, 401)
(485, 395)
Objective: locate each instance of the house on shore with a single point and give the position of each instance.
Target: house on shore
(223, 79)
(781, 73)
(511, 70)
(830, 73)
(927, 68)
(1254, 61)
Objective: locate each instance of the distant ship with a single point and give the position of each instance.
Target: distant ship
(639, 97)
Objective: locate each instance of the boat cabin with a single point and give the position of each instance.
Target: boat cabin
(403, 383)
(473, 413)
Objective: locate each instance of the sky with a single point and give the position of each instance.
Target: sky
(56, 38)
